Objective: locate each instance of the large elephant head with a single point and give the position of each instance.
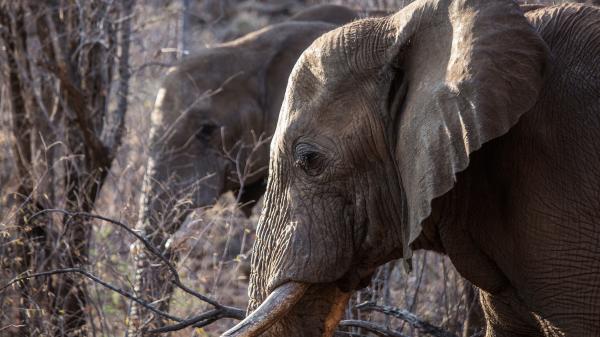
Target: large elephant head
(379, 116)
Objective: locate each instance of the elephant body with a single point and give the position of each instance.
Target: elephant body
(541, 239)
(523, 220)
(466, 127)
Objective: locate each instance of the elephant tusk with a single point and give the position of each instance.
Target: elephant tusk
(277, 304)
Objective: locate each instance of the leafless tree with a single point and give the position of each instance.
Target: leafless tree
(66, 65)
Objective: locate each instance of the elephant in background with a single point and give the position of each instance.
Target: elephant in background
(465, 127)
(210, 127)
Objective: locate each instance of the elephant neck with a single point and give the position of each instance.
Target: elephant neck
(449, 218)
(442, 214)
(459, 223)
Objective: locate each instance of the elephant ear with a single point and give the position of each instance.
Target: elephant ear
(471, 69)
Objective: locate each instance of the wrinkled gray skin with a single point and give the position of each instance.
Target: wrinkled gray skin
(464, 127)
(226, 97)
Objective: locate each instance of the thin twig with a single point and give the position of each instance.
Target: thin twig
(176, 280)
(97, 280)
(201, 320)
(408, 317)
(377, 329)
(219, 311)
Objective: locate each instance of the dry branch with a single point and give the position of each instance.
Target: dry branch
(95, 279)
(203, 319)
(408, 317)
(59, 58)
(377, 329)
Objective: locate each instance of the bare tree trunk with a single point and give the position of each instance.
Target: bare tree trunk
(21, 153)
(32, 235)
(77, 48)
(184, 30)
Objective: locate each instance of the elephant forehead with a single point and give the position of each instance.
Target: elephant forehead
(319, 79)
(322, 96)
(332, 69)
(325, 60)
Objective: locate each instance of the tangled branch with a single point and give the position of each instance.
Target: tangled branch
(219, 311)
(95, 279)
(377, 329)
(408, 317)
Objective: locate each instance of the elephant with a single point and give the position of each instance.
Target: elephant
(224, 99)
(466, 127)
(334, 14)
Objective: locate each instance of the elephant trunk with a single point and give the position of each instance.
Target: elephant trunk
(305, 301)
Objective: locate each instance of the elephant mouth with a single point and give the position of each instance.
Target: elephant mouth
(280, 303)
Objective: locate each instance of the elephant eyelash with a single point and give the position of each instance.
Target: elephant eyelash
(307, 159)
(304, 160)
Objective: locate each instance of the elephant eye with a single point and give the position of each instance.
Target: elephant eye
(308, 159)
(206, 130)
